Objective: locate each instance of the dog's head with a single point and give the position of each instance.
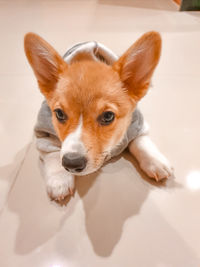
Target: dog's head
(92, 102)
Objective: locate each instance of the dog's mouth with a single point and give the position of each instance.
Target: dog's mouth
(83, 172)
(78, 170)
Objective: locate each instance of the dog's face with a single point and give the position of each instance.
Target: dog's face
(92, 102)
(96, 112)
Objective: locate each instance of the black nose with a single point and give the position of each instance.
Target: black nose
(74, 162)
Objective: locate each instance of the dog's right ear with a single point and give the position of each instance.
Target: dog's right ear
(47, 64)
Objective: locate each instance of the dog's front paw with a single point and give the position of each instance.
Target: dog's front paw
(60, 185)
(157, 168)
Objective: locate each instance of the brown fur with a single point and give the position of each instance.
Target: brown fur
(88, 88)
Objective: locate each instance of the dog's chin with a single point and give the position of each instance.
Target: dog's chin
(85, 172)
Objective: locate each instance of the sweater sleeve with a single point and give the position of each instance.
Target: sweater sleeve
(136, 128)
(46, 138)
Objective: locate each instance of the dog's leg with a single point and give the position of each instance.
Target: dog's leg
(151, 161)
(59, 182)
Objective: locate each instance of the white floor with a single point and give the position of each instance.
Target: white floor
(117, 217)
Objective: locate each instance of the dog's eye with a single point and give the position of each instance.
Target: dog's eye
(106, 118)
(60, 115)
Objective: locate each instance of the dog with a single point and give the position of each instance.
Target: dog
(90, 111)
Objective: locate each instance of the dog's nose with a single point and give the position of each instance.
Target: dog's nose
(74, 162)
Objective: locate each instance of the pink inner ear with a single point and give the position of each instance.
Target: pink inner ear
(136, 66)
(139, 64)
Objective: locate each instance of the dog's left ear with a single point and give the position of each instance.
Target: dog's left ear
(136, 66)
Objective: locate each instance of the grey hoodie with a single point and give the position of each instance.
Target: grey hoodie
(46, 138)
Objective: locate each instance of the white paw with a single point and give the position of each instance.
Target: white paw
(157, 168)
(60, 185)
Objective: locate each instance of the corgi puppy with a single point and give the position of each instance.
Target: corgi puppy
(90, 111)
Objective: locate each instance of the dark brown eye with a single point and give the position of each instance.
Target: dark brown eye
(106, 118)
(60, 115)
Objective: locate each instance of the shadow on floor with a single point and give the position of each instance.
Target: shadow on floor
(39, 220)
(9, 173)
(109, 197)
(117, 194)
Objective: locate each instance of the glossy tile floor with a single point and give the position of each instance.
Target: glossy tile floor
(118, 217)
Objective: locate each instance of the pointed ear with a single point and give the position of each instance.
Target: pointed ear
(47, 64)
(136, 66)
